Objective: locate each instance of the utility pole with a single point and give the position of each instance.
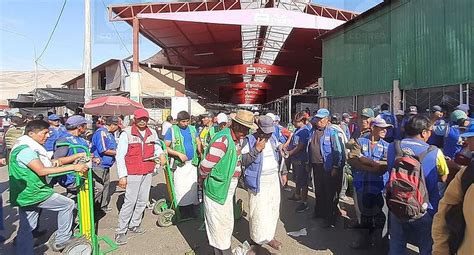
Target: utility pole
(87, 55)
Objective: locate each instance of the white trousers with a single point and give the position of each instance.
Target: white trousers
(185, 184)
(265, 209)
(219, 219)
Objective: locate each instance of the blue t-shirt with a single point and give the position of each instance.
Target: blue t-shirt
(54, 134)
(25, 156)
(301, 135)
(429, 166)
(188, 142)
(103, 140)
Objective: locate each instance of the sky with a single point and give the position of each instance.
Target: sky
(26, 25)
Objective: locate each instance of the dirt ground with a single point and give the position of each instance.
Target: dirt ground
(186, 236)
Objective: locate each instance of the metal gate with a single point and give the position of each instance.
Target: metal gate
(447, 96)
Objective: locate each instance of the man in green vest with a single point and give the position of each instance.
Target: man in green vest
(222, 122)
(220, 171)
(28, 166)
(182, 144)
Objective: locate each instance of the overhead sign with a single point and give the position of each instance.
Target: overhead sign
(249, 69)
(249, 85)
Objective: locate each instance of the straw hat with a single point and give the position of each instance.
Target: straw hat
(245, 118)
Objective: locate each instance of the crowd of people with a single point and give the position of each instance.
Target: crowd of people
(409, 173)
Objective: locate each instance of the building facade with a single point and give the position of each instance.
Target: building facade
(402, 52)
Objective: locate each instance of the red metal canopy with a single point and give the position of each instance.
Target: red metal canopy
(218, 55)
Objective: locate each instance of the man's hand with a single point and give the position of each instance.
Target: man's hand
(260, 145)
(81, 155)
(183, 157)
(3, 161)
(163, 160)
(56, 163)
(82, 168)
(122, 183)
(96, 161)
(284, 179)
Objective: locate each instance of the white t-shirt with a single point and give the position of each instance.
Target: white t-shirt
(269, 163)
(164, 128)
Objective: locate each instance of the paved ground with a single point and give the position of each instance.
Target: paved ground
(186, 237)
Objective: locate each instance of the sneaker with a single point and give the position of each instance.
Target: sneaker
(302, 207)
(121, 239)
(137, 230)
(60, 247)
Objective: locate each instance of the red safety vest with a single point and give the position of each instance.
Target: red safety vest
(139, 149)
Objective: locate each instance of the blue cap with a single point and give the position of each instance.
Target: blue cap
(469, 132)
(322, 113)
(53, 117)
(76, 121)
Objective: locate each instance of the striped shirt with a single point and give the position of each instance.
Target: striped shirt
(217, 150)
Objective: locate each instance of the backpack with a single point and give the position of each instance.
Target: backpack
(455, 217)
(407, 195)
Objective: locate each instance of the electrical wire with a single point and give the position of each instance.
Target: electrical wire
(116, 31)
(54, 29)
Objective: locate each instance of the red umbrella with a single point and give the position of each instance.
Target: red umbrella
(111, 106)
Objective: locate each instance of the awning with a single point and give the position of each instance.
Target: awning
(72, 98)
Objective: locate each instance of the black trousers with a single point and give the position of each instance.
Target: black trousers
(101, 178)
(318, 181)
(371, 208)
(332, 188)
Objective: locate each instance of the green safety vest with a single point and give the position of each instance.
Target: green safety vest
(26, 187)
(12, 134)
(216, 185)
(178, 144)
(212, 132)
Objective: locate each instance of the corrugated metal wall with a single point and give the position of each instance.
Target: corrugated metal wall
(423, 43)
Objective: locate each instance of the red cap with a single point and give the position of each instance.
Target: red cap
(141, 113)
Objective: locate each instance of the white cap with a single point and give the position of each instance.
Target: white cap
(271, 115)
(222, 118)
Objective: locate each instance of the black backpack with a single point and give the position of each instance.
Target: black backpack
(455, 217)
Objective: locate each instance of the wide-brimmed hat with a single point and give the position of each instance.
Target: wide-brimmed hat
(245, 118)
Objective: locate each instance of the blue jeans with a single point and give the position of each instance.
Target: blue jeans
(418, 231)
(29, 219)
